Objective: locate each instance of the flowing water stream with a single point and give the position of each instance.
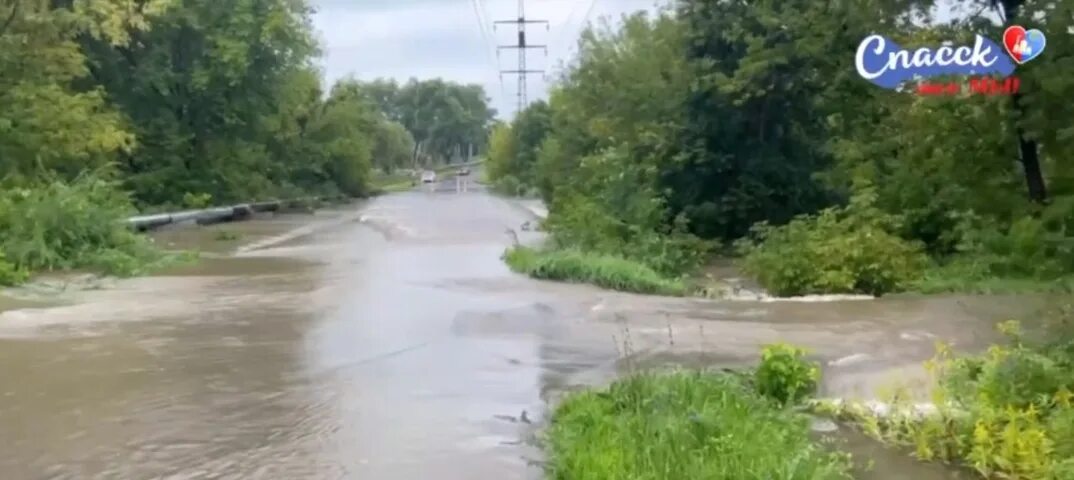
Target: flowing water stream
(387, 340)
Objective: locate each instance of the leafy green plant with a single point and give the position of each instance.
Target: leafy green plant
(839, 250)
(683, 425)
(785, 375)
(197, 201)
(1007, 413)
(57, 226)
(509, 185)
(10, 274)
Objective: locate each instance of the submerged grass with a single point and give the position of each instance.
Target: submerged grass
(684, 425)
(607, 271)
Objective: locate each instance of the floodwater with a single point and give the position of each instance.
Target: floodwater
(385, 340)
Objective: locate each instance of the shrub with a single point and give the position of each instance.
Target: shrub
(9, 273)
(509, 185)
(579, 223)
(1029, 247)
(839, 250)
(785, 375)
(57, 225)
(1007, 413)
(197, 201)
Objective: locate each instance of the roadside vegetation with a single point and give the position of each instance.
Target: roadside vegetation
(63, 226)
(1005, 413)
(607, 271)
(743, 128)
(111, 109)
(695, 424)
(732, 128)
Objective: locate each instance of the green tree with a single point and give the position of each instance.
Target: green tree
(46, 126)
(393, 146)
(198, 87)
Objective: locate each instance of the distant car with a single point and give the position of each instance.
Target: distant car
(463, 172)
(428, 176)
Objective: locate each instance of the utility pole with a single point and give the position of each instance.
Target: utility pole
(522, 46)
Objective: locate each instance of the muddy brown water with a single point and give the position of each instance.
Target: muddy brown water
(386, 340)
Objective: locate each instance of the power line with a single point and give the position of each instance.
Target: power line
(585, 19)
(565, 32)
(479, 8)
(566, 26)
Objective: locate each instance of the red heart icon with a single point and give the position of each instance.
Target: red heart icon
(1013, 40)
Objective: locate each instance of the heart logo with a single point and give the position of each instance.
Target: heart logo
(1023, 45)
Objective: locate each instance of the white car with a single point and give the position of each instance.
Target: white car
(428, 176)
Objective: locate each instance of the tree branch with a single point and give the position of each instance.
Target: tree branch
(10, 18)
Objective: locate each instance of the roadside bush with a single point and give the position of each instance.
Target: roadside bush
(683, 425)
(57, 226)
(1028, 248)
(9, 273)
(509, 185)
(197, 201)
(1007, 413)
(785, 375)
(839, 250)
(579, 223)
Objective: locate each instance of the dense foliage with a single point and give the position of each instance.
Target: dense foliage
(714, 122)
(57, 225)
(189, 103)
(1006, 413)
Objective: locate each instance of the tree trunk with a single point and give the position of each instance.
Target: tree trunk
(1031, 165)
(1027, 148)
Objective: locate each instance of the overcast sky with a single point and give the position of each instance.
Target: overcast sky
(442, 38)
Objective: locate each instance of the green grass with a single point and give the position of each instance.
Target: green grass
(392, 183)
(684, 426)
(606, 271)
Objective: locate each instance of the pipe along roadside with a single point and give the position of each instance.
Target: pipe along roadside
(233, 213)
(242, 211)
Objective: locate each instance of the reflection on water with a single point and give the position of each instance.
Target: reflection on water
(397, 347)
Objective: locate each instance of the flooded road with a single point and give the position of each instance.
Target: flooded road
(384, 340)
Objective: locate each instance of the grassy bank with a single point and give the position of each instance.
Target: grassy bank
(955, 280)
(607, 271)
(684, 425)
(392, 183)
